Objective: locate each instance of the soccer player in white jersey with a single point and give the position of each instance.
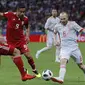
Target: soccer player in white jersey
(49, 25)
(69, 45)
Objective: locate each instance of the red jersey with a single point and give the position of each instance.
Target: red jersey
(15, 27)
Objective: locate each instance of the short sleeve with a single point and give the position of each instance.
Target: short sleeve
(26, 20)
(77, 27)
(7, 15)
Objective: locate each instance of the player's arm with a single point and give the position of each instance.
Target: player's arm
(47, 24)
(6, 15)
(1, 15)
(2, 39)
(78, 28)
(56, 33)
(83, 30)
(49, 29)
(27, 32)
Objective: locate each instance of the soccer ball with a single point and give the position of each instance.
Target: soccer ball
(47, 75)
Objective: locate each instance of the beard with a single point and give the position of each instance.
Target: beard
(21, 17)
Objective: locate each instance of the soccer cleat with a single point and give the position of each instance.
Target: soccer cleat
(37, 54)
(57, 79)
(27, 77)
(38, 75)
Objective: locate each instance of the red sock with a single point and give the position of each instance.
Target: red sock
(19, 63)
(31, 62)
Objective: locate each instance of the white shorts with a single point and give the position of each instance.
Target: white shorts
(67, 52)
(50, 39)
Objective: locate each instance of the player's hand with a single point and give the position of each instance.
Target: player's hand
(55, 32)
(57, 43)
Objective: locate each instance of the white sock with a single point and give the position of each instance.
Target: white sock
(44, 49)
(62, 72)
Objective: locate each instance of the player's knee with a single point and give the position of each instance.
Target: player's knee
(27, 54)
(58, 44)
(63, 66)
(63, 61)
(49, 47)
(16, 52)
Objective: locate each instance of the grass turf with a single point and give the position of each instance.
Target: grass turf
(9, 74)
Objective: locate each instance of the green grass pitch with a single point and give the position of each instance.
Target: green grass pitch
(9, 74)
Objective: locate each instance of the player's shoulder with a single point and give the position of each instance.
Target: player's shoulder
(72, 22)
(9, 12)
(58, 25)
(57, 18)
(49, 18)
(25, 18)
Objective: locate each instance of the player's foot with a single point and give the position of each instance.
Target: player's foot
(57, 79)
(27, 77)
(38, 75)
(37, 54)
(57, 59)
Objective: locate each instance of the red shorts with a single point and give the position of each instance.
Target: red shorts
(21, 45)
(6, 49)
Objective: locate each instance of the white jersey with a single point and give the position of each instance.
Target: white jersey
(68, 33)
(51, 22)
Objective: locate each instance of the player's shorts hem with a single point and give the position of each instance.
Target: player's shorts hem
(11, 50)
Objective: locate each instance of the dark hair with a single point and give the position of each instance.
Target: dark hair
(54, 9)
(21, 5)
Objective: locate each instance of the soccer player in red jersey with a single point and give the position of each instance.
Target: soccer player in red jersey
(6, 49)
(15, 36)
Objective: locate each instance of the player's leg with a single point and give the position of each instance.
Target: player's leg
(32, 63)
(62, 72)
(57, 59)
(24, 50)
(19, 63)
(79, 60)
(9, 50)
(57, 53)
(49, 43)
(64, 57)
(42, 50)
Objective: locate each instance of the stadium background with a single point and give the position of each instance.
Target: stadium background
(39, 10)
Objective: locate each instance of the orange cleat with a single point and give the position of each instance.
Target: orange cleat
(28, 77)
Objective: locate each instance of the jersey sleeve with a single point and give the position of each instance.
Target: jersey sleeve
(26, 21)
(7, 15)
(77, 27)
(47, 23)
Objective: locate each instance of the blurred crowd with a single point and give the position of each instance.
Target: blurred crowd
(39, 10)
